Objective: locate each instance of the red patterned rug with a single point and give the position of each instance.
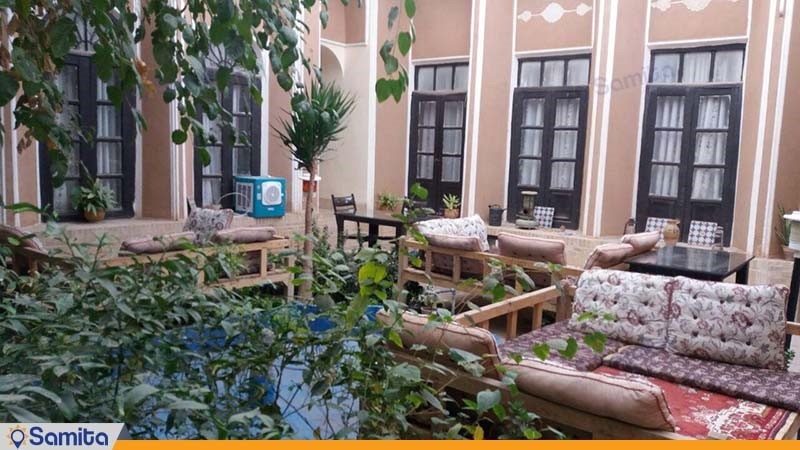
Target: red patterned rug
(705, 415)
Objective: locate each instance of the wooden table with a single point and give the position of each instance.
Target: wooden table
(374, 220)
(691, 262)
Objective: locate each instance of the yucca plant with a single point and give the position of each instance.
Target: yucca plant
(317, 120)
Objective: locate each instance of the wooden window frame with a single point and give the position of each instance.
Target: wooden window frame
(436, 68)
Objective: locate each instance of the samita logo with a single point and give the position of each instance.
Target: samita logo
(17, 436)
(28, 436)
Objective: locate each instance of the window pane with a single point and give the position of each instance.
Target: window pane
(69, 116)
(461, 78)
(109, 158)
(241, 161)
(529, 172)
(567, 112)
(425, 79)
(667, 146)
(451, 169)
(563, 175)
(427, 114)
(728, 66)
(533, 112)
(707, 184)
(62, 196)
(531, 143)
(530, 74)
(213, 130)
(565, 144)
(669, 112)
(427, 141)
(664, 181)
(454, 114)
(553, 73)
(68, 82)
(696, 67)
(424, 167)
(452, 142)
(240, 102)
(710, 148)
(242, 129)
(665, 68)
(578, 72)
(102, 88)
(713, 111)
(215, 166)
(444, 78)
(212, 191)
(115, 186)
(108, 121)
(74, 161)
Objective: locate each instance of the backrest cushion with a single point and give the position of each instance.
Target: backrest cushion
(532, 248)
(629, 307)
(244, 235)
(158, 244)
(731, 323)
(642, 242)
(632, 400)
(463, 243)
(467, 226)
(443, 337)
(204, 222)
(443, 264)
(608, 255)
(25, 239)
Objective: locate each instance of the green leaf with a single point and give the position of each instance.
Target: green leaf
(404, 42)
(411, 8)
(419, 192)
(541, 350)
(532, 434)
(179, 137)
(393, 13)
(189, 405)
(43, 392)
(284, 81)
(432, 400)
(487, 400)
(571, 349)
(8, 88)
(596, 341)
(23, 415)
(394, 338)
(383, 89)
(136, 395)
(169, 95)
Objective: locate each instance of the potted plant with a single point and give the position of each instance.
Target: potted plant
(451, 206)
(782, 231)
(94, 200)
(388, 202)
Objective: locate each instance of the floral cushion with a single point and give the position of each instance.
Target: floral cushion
(585, 360)
(205, 222)
(777, 388)
(467, 226)
(729, 322)
(629, 307)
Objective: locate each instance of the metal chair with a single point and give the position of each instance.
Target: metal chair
(702, 233)
(345, 205)
(544, 216)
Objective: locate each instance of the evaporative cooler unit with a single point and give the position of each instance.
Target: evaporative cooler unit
(260, 197)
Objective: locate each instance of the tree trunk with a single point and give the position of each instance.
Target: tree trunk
(308, 244)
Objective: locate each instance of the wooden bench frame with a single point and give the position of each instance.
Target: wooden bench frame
(599, 427)
(264, 275)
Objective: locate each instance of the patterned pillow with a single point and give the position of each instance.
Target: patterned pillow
(206, 222)
(629, 307)
(467, 226)
(731, 323)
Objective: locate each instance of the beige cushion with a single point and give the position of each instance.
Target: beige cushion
(443, 337)
(630, 307)
(730, 323)
(158, 244)
(443, 264)
(608, 255)
(642, 242)
(204, 222)
(467, 226)
(628, 399)
(463, 243)
(532, 248)
(244, 235)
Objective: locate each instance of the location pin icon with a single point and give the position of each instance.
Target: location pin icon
(17, 437)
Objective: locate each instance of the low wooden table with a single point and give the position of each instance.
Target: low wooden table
(374, 220)
(691, 262)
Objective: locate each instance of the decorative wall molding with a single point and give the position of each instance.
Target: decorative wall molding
(691, 5)
(553, 12)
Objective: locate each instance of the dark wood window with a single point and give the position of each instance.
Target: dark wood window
(233, 152)
(690, 144)
(105, 146)
(438, 119)
(548, 138)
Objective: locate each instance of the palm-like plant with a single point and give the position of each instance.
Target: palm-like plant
(317, 120)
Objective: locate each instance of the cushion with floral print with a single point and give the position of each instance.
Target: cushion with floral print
(629, 307)
(464, 227)
(205, 222)
(731, 323)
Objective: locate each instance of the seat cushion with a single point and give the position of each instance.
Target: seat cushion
(532, 248)
(204, 222)
(701, 414)
(444, 337)
(629, 307)
(585, 360)
(158, 244)
(637, 402)
(777, 388)
(467, 226)
(606, 256)
(641, 242)
(244, 235)
(732, 323)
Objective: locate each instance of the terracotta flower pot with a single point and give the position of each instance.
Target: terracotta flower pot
(452, 213)
(672, 233)
(96, 217)
(788, 253)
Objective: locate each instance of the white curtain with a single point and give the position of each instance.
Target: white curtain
(531, 143)
(212, 191)
(713, 112)
(664, 181)
(696, 67)
(567, 112)
(452, 142)
(563, 175)
(425, 167)
(451, 169)
(530, 74)
(427, 114)
(109, 158)
(453, 114)
(728, 66)
(529, 172)
(707, 184)
(710, 148)
(533, 112)
(578, 72)
(565, 144)
(553, 73)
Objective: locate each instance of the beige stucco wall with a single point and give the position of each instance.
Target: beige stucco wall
(443, 28)
(536, 33)
(719, 18)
